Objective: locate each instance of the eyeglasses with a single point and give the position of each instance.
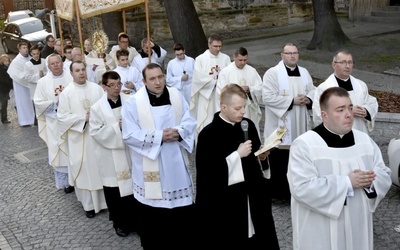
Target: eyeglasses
(114, 86)
(345, 63)
(291, 53)
(122, 41)
(178, 55)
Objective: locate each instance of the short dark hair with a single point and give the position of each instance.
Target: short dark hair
(109, 75)
(150, 66)
(328, 93)
(178, 46)
(121, 52)
(76, 62)
(214, 37)
(67, 47)
(241, 51)
(35, 47)
(122, 35)
(48, 37)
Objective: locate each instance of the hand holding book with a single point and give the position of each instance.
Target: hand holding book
(273, 140)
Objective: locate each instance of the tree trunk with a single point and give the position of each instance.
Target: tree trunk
(185, 26)
(328, 34)
(112, 25)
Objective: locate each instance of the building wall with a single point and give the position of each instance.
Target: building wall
(360, 8)
(342, 5)
(219, 16)
(28, 4)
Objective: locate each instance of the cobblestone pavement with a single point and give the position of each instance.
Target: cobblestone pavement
(34, 215)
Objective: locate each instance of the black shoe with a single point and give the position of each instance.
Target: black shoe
(69, 189)
(90, 214)
(5, 121)
(121, 232)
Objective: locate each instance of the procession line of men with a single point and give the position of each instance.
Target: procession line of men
(141, 124)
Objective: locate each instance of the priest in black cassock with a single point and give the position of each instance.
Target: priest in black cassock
(232, 194)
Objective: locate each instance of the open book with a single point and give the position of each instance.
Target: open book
(273, 140)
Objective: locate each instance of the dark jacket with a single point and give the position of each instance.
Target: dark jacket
(46, 51)
(6, 83)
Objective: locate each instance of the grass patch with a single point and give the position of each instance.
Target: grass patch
(2, 24)
(380, 58)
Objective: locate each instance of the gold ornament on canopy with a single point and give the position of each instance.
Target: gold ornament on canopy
(100, 41)
(88, 8)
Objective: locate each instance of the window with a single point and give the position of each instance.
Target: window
(31, 27)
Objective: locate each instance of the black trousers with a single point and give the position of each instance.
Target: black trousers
(278, 161)
(166, 228)
(122, 210)
(4, 105)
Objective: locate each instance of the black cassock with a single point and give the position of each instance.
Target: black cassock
(222, 209)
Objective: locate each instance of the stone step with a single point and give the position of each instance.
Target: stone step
(381, 13)
(390, 8)
(380, 19)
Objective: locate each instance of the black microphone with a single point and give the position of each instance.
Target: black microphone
(245, 127)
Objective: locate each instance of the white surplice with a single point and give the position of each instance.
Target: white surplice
(113, 53)
(32, 74)
(130, 74)
(95, 67)
(176, 184)
(323, 215)
(46, 97)
(108, 60)
(112, 155)
(75, 101)
(247, 76)
(175, 71)
(140, 62)
(278, 91)
(23, 101)
(66, 65)
(203, 103)
(359, 96)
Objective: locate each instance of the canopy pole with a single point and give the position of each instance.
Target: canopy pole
(124, 20)
(61, 35)
(148, 28)
(78, 19)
